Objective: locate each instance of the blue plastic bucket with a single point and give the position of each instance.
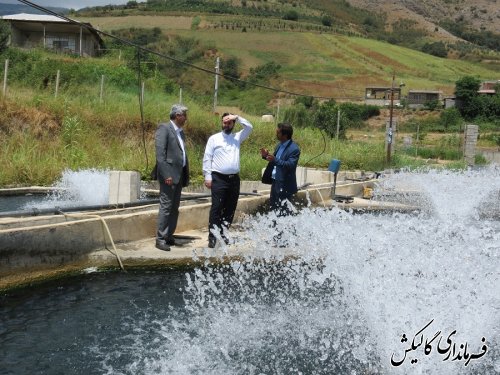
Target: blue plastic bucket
(334, 166)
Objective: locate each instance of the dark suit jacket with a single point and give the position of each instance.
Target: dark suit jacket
(169, 155)
(286, 167)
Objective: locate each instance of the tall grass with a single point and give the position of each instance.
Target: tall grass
(109, 135)
(41, 134)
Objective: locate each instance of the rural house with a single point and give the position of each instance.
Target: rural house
(34, 30)
(488, 87)
(419, 98)
(449, 101)
(381, 96)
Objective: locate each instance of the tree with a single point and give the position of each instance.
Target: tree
(467, 87)
(4, 35)
(326, 119)
(230, 67)
(450, 117)
(468, 102)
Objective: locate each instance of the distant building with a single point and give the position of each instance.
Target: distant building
(51, 32)
(381, 96)
(449, 101)
(419, 98)
(488, 87)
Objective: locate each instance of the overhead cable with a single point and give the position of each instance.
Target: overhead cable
(135, 45)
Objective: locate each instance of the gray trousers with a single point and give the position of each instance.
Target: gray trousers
(170, 198)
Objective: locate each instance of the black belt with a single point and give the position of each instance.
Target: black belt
(222, 175)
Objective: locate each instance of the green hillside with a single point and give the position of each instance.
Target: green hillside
(312, 63)
(94, 119)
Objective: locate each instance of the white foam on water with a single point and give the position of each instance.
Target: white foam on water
(88, 187)
(340, 297)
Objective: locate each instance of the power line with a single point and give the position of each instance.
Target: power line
(132, 44)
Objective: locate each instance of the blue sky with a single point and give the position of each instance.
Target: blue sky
(75, 4)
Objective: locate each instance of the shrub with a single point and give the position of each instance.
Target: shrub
(263, 73)
(4, 35)
(356, 114)
(326, 20)
(431, 104)
(436, 49)
(195, 23)
(297, 115)
(291, 15)
(450, 117)
(308, 101)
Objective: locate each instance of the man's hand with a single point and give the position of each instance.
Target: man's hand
(229, 117)
(169, 181)
(208, 184)
(270, 157)
(264, 153)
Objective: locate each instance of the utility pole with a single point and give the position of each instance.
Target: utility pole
(277, 112)
(5, 74)
(389, 132)
(102, 89)
(338, 124)
(216, 83)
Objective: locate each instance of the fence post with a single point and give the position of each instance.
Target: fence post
(102, 89)
(5, 77)
(338, 125)
(57, 82)
(142, 93)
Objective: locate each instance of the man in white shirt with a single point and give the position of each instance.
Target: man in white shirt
(221, 167)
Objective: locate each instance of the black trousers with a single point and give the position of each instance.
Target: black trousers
(225, 194)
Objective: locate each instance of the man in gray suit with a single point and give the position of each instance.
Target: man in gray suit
(172, 172)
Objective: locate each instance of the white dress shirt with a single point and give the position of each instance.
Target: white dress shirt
(222, 153)
(181, 141)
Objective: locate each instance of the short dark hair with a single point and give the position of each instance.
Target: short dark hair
(224, 114)
(286, 129)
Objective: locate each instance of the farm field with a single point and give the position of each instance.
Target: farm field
(320, 64)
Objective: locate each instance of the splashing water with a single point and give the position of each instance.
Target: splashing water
(340, 296)
(77, 188)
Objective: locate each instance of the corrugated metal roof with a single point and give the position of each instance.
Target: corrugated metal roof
(33, 17)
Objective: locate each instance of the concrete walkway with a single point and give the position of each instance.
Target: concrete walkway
(34, 249)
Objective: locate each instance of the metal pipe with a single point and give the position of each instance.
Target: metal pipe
(60, 210)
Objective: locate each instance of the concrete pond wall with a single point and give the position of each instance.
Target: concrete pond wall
(41, 245)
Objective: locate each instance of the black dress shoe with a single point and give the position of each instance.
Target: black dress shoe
(171, 241)
(211, 242)
(162, 245)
